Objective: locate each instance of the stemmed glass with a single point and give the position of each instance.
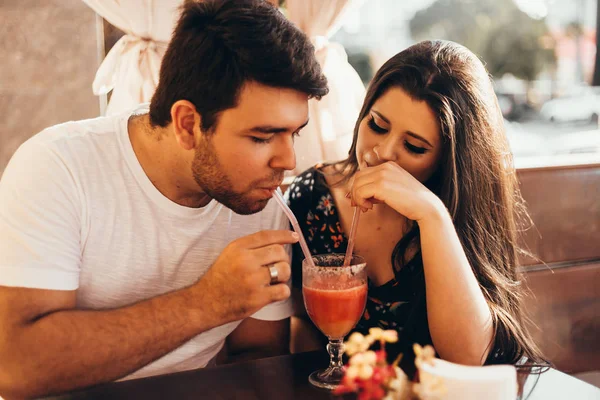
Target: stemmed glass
(334, 297)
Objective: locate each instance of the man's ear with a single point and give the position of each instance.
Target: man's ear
(186, 123)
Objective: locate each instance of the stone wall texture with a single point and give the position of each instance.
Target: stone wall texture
(49, 59)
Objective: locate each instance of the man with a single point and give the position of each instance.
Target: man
(135, 245)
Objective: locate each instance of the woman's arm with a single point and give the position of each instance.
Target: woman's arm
(460, 321)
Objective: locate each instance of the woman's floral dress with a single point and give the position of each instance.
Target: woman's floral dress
(398, 304)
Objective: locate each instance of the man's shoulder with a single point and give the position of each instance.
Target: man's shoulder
(101, 130)
(54, 145)
(74, 133)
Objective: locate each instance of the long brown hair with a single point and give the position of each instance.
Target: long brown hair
(476, 179)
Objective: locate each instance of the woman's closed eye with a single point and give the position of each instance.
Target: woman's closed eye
(381, 131)
(376, 128)
(414, 149)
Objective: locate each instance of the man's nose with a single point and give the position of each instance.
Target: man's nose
(285, 156)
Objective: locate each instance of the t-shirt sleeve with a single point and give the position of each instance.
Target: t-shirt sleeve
(40, 221)
(281, 309)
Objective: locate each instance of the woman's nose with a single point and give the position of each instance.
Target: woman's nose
(387, 150)
(372, 158)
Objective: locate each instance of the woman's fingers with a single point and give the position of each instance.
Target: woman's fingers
(373, 185)
(364, 195)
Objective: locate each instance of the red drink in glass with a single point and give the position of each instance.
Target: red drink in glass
(335, 312)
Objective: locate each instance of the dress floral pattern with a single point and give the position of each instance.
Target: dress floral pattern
(392, 305)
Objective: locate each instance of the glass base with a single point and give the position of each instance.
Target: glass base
(328, 379)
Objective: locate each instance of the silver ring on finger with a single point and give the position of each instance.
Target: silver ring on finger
(274, 274)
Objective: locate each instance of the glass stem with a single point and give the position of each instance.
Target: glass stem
(335, 348)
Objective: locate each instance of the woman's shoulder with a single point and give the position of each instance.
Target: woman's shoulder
(302, 187)
(307, 175)
(313, 183)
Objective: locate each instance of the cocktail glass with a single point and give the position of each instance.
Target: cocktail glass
(334, 297)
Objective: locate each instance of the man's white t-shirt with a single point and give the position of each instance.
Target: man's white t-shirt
(78, 212)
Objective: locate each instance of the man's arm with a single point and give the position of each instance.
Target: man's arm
(47, 347)
(255, 338)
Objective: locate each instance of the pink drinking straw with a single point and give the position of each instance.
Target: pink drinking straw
(279, 198)
(350, 247)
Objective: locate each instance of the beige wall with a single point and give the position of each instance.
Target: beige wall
(48, 62)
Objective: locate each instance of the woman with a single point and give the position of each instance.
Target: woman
(431, 169)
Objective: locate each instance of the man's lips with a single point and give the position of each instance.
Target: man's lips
(271, 187)
(268, 190)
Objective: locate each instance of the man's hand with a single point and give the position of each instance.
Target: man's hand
(238, 284)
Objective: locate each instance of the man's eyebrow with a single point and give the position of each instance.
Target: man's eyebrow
(409, 133)
(275, 129)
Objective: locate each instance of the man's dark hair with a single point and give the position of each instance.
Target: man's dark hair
(218, 45)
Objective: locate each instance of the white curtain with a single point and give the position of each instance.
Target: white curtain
(329, 133)
(131, 67)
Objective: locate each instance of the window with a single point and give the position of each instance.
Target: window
(541, 54)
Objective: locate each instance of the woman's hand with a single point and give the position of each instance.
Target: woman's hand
(392, 185)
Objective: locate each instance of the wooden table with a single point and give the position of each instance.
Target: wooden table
(286, 377)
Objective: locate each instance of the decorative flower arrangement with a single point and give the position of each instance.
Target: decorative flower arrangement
(370, 376)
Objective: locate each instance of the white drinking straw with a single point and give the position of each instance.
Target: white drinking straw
(279, 198)
(350, 247)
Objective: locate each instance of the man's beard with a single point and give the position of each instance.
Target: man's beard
(209, 175)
